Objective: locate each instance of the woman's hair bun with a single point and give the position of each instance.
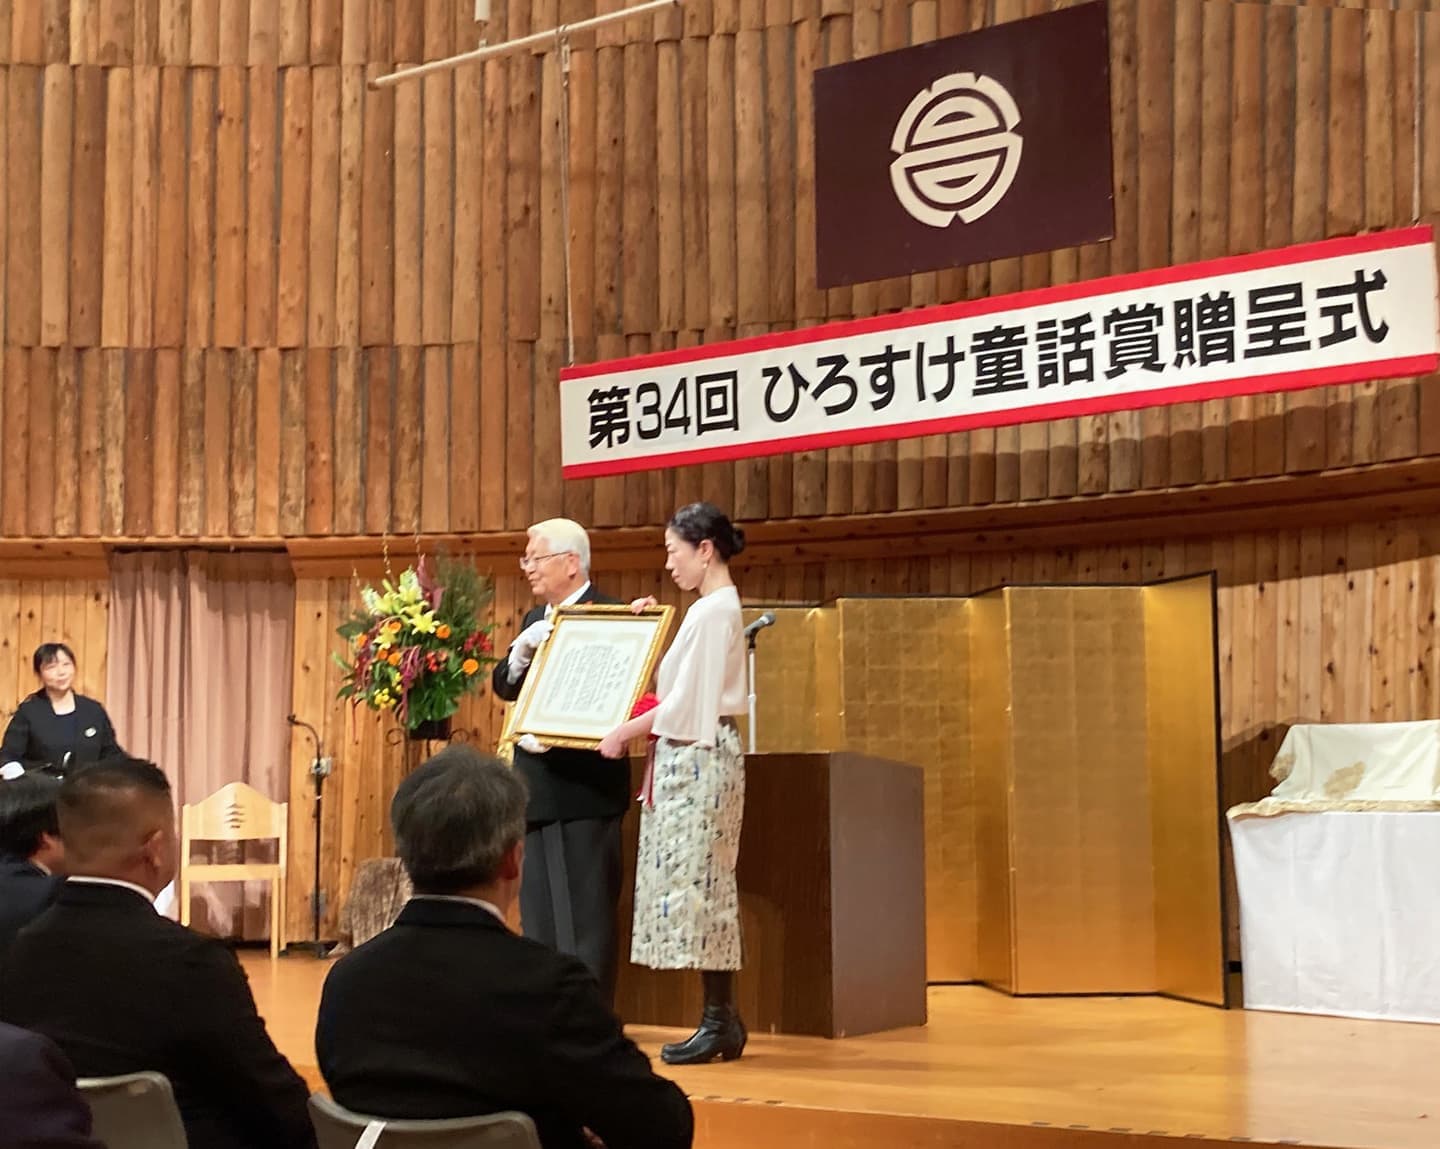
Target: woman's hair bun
(697, 522)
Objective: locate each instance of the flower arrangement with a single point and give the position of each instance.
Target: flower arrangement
(417, 646)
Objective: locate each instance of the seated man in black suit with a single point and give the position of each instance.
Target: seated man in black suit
(32, 856)
(121, 989)
(40, 1108)
(449, 1014)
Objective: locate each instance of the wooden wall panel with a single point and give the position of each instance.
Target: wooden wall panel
(184, 176)
(33, 610)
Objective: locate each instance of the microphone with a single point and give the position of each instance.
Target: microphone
(290, 718)
(317, 767)
(766, 619)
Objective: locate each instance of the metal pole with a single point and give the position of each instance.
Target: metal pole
(751, 657)
(490, 51)
(315, 942)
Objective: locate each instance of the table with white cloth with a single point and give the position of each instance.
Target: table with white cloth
(1339, 874)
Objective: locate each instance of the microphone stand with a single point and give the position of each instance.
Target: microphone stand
(319, 768)
(750, 673)
(751, 632)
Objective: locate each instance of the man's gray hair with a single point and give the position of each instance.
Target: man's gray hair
(564, 536)
(455, 818)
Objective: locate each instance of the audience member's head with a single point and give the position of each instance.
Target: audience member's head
(459, 825)
(117, 822)
(29, 823)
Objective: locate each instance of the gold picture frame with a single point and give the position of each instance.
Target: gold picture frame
(588, 675)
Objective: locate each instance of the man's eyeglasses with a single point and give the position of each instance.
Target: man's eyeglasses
(529, 563)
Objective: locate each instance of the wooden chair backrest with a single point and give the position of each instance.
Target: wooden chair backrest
(234, 813)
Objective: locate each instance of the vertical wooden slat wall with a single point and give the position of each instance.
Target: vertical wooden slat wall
(376, 279)
(72, 610)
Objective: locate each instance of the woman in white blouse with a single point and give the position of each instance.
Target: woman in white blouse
(687, 912)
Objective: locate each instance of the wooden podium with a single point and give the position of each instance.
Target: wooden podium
(832, 902)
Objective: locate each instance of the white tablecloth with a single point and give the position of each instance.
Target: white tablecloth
(1340, 913)
(1363, 766)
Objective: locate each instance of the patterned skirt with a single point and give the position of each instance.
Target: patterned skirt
(687, 911)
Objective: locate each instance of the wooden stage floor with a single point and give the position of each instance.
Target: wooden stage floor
(993, 1072)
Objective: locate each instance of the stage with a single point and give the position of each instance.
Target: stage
(994, 1072)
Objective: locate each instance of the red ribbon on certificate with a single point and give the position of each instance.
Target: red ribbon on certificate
(644, 704)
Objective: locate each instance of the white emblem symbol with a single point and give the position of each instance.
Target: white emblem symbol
(90, 732)
(956, 149)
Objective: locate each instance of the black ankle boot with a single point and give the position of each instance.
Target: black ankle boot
(721, 1033)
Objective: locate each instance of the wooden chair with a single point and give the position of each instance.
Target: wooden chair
(236, 813)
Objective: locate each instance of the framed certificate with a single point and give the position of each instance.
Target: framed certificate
(588, 675)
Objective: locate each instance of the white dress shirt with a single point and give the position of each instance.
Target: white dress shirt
(88, 881)
(569, 600)
(484, 905)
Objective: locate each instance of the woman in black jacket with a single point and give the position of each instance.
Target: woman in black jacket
(56, 727)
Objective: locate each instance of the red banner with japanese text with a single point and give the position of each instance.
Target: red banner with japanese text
(1337, 311)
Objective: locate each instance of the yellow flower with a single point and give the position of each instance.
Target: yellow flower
(469, 666)
(385, 639)
(424, 622)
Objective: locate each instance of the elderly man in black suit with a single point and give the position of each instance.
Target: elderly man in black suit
(570, 894)
(40, 1108)
(121, 989)
(449, 1014)
(32, 856)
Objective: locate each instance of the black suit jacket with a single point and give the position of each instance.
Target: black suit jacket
(449, 1014)
(37, 735)
(25, 891)
(40, 1108)
(162, 998)
(566, 784)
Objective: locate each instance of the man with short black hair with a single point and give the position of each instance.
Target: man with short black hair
(121, 989)
(32, 856)
(449, 1014)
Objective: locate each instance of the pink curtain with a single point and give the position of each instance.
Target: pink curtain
(199, 682)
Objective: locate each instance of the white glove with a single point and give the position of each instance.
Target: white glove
(11, 770)
(522, 650)
(531, 745)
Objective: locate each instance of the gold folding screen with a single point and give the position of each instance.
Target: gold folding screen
(1076, 815)
(1182, 737)
(1068, 739)
(992, 763)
